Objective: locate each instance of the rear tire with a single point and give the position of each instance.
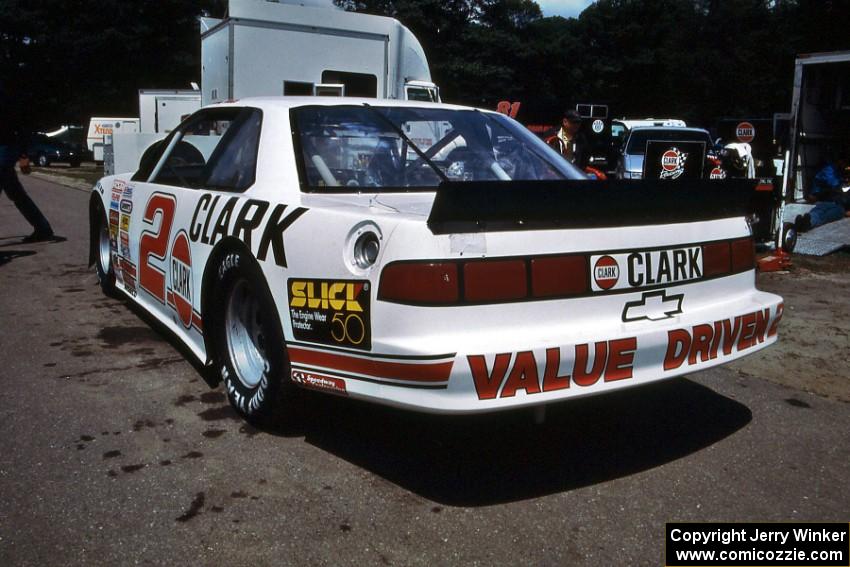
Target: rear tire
(103, 256)
(250, 352)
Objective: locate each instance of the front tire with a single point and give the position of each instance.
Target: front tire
(248, 340)
(103, 256)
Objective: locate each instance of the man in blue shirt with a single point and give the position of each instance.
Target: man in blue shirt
(827, 192)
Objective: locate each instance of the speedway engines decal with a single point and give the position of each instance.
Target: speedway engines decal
(331, 312)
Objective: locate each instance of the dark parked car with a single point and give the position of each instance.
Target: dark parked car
(44, 151)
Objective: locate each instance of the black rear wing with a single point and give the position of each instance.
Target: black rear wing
(493, 206)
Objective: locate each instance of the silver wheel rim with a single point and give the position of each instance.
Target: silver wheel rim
(104, 248)
(246, 343)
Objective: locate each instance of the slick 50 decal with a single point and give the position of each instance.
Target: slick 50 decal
(646, 268)
(331, 312)
(503, 375)
(215, 217)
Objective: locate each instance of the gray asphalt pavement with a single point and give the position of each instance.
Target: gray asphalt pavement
(114, 451)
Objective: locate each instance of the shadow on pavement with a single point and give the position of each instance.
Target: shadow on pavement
(504, 457)
(7, 256)
(54, 240)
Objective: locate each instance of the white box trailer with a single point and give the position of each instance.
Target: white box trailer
(820, 117)
(271, 49)
(160, 111)
(100, 127)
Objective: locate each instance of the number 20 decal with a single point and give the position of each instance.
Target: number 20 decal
(154, 243)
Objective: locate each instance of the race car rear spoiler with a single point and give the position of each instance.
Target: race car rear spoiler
(487, 206)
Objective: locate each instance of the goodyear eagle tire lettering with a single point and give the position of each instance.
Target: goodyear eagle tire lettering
(250, 351)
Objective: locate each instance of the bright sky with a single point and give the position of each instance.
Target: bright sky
(565, 8)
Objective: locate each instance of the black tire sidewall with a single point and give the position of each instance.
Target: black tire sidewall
(789, 237)
(260, 403)
(105, 276)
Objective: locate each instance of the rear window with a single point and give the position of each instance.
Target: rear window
(366, 148)
(639, 138)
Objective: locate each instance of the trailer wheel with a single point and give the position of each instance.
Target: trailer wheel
(789, 237)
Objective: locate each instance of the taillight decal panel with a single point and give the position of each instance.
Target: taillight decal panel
(604, 272)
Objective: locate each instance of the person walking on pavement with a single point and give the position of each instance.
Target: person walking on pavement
(13, 150)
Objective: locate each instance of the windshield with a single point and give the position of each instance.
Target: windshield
(354, 148)
(639, 138)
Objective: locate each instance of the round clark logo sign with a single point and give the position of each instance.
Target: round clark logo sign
(673, 163)
(606, 272)
(670, 160)
(598, 126)
(181, 278)
(745, 132)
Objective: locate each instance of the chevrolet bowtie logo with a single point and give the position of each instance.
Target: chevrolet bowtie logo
(653, 306)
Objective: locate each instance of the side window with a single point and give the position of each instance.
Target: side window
(149, 160)
(216, 148)
(233, 167)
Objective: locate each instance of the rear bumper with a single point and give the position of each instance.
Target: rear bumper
(519, 370)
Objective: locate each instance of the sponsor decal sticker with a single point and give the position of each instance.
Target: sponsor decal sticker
(598, 126)
(653, 306)
(251, 220)
(606, 272)
(333, 312)
(128, 271)
(125, 245)
(507, 374)
(318, 382)
(646, 268)
(673, 163)
(126, 206)
(717, 173)
(745, 132)
(180, 278)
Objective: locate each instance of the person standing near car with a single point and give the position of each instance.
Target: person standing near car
(569, 141)
(13, 150)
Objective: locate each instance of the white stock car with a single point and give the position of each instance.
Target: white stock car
(425, 256)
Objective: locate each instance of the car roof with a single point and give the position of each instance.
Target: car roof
(287, 102)
(667, 128)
